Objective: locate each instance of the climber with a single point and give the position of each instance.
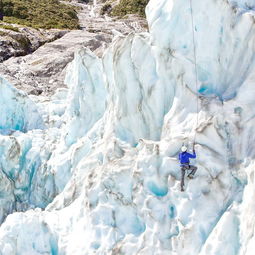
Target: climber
(184, 157)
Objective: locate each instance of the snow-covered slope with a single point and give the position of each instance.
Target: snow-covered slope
(105, 172)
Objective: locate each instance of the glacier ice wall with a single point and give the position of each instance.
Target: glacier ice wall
(134, 90)
(87, 95)
(224, 43)
(17, 111)
(20, 117)
(106, 177)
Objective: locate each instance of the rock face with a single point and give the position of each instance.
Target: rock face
(20, 41)
(43, 71)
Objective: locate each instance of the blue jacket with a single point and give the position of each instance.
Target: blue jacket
(185, 156)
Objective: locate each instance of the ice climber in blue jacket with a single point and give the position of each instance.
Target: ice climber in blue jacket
(184, 157)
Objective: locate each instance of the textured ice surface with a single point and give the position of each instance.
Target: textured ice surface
(105, 172)
(18, 112)
(86, 96)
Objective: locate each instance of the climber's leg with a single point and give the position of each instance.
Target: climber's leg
(193, 171)
(183, 168)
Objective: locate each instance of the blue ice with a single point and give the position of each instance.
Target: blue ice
(157, 190)
(172, 212)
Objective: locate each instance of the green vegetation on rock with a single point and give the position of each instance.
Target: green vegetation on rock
(40, 14)
(9, 27)
(130, 7)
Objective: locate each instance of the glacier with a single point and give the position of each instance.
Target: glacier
(94, 170)
(18, 111)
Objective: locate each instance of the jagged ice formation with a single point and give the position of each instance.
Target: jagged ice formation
(103, 168)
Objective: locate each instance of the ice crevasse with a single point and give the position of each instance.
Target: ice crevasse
(101, 176)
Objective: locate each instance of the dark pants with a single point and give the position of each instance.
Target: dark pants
(184, 168)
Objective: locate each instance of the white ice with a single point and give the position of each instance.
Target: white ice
(102, 177)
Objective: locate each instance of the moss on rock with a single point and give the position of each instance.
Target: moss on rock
(40, 14)
(130, 7)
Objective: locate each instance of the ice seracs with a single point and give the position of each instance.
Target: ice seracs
(110, 169)
(18, 112)
(87, 94)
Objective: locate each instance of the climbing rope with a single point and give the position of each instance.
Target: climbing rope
(195, 58)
